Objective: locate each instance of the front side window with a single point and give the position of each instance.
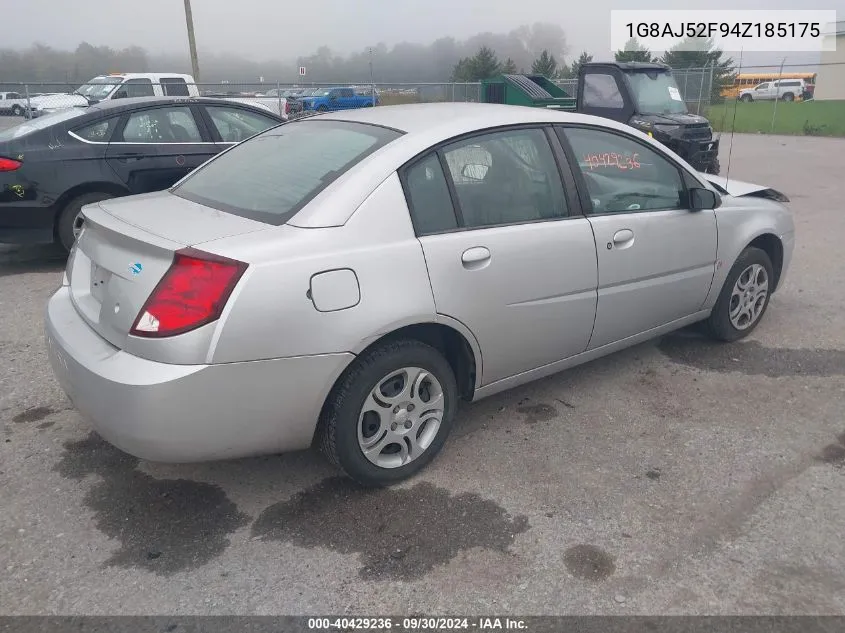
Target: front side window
(135, 88)
(623, 175)
(162, 125)
(602, 91)
(235, 125)
(272, 176)
(505, 177)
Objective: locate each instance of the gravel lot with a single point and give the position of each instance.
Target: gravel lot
(675, 477)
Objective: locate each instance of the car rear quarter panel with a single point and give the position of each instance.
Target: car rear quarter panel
(740, 221)
(272, 313)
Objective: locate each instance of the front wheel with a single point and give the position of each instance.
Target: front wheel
(390, 413)
(744, 297)
(17, 110)
(323, 108)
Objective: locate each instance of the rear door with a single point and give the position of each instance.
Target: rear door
(656, 258)
(155, 147)
(508, 252)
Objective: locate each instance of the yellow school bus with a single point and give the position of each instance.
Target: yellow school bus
(749, 80)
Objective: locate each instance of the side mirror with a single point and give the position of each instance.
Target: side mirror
(701, 199)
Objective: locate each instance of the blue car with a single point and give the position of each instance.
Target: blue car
(331, 99)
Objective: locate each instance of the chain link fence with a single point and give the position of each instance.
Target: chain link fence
(701, 89)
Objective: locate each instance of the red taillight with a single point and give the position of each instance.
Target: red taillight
(192, 293)
(7, 164)
(287, 107)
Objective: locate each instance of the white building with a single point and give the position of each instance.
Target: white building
(830, 81)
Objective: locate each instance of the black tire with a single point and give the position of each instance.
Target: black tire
(17, 110)
(323, 108)
(337, 432)
(718, 325)
(746, 98)
(788, 96)
(67, 216)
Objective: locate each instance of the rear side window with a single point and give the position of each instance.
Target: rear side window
(174, 87)
(428, 197)
(99, 132)
(272, 176)
(235, 125)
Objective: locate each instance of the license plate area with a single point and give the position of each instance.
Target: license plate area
(99, 280)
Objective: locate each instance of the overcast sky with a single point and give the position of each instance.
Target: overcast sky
(273, 29)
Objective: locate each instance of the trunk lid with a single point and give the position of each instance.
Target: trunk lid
(127, 246)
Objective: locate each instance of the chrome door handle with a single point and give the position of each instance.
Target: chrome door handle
(476, 257)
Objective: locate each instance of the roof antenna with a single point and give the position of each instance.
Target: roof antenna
(733, 126)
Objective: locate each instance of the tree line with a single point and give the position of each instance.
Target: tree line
(537, 49)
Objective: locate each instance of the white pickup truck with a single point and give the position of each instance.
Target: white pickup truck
(126, 85)
(12, 103)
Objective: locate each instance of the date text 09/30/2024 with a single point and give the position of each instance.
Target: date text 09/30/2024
(403, 624)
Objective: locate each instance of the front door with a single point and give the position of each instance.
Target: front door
(656, 258)
(512, 259)
(602, 92)
(155, 147)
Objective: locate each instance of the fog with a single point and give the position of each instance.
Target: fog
(285, 32)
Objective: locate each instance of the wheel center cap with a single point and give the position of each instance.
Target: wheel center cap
(401, 415)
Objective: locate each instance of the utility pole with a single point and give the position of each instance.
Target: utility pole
(192, 42)
(372, 80)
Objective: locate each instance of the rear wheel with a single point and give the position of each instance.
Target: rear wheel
(17, 110)
(69, 223)
(746, 98)
(390, 413)
(744, 297)
(323, 108)
(714, 168)
(788, 97)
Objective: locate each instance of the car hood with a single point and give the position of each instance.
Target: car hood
(59, 101)
(674, 119)
(738, 188)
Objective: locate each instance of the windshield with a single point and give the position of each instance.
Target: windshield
(99, 87)
(656, 93)
(42, 122)
(273, 175)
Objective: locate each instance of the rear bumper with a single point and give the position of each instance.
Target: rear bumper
(26, 224)
(186, 413)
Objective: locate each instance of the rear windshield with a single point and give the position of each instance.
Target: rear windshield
(42, 122)
(272, 176)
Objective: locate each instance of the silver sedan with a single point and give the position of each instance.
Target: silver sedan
(343, 280)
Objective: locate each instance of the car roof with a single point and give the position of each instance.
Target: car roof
(119, 105)
(440, 121)
(146, 75)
